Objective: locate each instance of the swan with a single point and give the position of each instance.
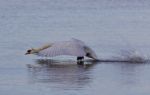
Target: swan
(73, 47)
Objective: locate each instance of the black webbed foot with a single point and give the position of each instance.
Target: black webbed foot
(80, 60)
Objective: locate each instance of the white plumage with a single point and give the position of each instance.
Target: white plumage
(75, 47)
(72, 47)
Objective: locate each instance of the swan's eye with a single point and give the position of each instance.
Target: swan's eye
(29, 51)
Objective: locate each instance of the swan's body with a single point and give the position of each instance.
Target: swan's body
(73, 47)
(78, 48)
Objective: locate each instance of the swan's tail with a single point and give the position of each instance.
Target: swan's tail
(90, 53)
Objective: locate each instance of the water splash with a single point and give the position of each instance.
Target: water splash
(133, 56)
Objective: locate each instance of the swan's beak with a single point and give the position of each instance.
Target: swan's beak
(26, 53)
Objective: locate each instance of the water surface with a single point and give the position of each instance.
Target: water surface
(107, 26)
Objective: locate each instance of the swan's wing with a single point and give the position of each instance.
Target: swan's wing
(79, 42)
(63, 48)
(90, 53)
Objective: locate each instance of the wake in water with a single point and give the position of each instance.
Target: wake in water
(131, 56)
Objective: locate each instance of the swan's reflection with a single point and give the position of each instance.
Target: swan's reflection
(61, 73)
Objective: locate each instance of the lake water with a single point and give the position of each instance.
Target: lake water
(107, 26)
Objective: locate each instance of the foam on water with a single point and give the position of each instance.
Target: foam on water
(132, 55)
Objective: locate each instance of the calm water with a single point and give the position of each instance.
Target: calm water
(108, 26)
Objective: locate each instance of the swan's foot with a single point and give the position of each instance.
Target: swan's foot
(80, 60)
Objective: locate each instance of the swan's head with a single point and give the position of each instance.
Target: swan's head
(30, 51)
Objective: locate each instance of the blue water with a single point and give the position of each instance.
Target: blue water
(107, 26)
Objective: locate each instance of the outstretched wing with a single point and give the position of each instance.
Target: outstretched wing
(63, 48)
(90, 53)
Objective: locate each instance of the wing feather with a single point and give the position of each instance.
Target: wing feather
(90, 53)
(63, 48)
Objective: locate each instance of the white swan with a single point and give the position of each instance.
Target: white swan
(74, 47)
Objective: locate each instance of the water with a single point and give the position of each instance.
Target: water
(108, 26)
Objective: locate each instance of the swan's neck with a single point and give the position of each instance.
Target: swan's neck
(42, 48)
